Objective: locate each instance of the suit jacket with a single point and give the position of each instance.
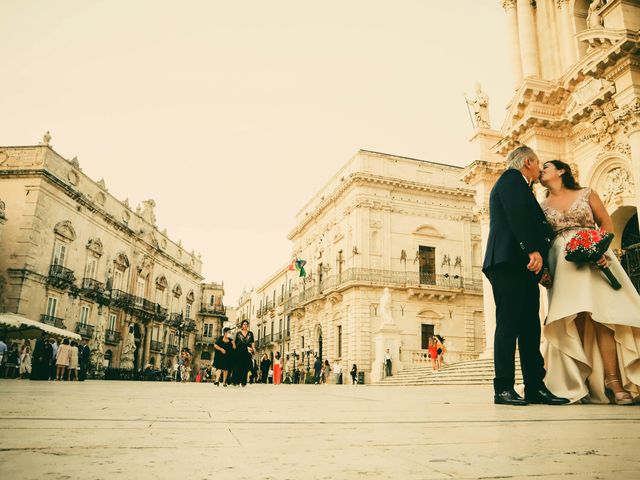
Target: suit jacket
(517, 224)
(85, 354)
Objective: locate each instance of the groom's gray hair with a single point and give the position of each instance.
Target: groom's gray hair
(517, 158)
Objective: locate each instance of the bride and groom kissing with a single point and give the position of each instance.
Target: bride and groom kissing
(591, 352)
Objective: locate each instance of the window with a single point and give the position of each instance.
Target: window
(339, 341)
(302, 338)
(208, 330)
(155, 334)
(320, 270)
(188, 311)
(59, 253)
(212, 300)
(117, 279)
(91, 269)
(272, 330)
(427, 333)
(140, 288)
(84, 315)
(427, 257)
(52, 306)
(112, 321)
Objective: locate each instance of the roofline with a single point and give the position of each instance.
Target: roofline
(411, 158)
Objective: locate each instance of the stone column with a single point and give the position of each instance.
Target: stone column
(569, 56)
(512, 18)
(147, 345)
(528, 39)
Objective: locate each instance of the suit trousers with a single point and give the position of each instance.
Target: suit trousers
(517, 298)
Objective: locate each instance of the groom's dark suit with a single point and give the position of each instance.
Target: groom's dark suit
(517, 227)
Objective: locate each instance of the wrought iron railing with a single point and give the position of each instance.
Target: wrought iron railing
(213, 309)
(84, 330)
(61, 277)
(175, 319)
(53, 321)
(121, 299)
(172, 349)
(156, 346)
(111, 336)
(92, 285)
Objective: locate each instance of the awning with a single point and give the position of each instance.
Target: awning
(17, 326)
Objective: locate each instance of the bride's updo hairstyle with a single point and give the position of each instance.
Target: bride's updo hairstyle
(567, 177)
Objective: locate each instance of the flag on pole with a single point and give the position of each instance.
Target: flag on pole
(299, 266)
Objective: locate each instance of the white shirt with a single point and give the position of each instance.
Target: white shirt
(387, 356)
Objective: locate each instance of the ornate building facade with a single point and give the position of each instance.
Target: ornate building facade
(576, 68)
(382, 221)
(75, 257)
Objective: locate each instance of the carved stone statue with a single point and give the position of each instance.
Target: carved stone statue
(46, 138)
(385, 308)
(617, 182)
(594, 19)
(97, 350)
(147, 211)
(128, 351)
(480, 106)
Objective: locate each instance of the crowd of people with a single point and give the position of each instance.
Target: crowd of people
(50, 359)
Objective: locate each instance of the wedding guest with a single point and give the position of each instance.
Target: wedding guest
(277, 369)
(223, 347)
(73, 362)
(63, 358)
(433, 353)
(13, 362)
(41, 359)
(245, 344)
(85, 358)
(265, 365)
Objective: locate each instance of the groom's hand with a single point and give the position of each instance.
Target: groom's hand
(535, 262)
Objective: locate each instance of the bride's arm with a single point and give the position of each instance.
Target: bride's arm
(600, 213)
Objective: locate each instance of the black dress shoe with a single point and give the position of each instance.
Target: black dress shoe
(545, 397)
(509, 397)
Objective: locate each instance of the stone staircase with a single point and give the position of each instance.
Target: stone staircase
(474, 372)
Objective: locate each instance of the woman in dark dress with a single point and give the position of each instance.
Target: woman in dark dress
(265, 365)
(245, 344)
(224, 347)
(41, 359)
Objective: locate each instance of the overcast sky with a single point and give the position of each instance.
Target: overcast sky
(232, 114)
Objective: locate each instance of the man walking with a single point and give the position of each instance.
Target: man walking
(519, 239)
(317, 369)
(84, 357)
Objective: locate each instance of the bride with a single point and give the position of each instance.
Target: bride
(592, 348)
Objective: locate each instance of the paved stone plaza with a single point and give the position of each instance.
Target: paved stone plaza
(197, 431)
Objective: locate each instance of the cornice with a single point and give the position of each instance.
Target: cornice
(362, 178)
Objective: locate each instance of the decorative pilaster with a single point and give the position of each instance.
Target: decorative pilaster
(569, 55)
(528, 40)
(516, 62)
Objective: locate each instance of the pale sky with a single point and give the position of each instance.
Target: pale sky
(232, 114)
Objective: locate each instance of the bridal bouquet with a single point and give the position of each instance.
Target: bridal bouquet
(589, 245)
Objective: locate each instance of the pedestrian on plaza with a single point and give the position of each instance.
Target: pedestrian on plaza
(246, 347)
(3, 356)
(317, 370)
(441, 350)
(54, 359)
(254, 370)
(74, 361)
(223, 347)
(277, 369)
(25, 361)
(354, 375)
(41, 358)
(387, 363)
(270, 376)
(265, 365)
(63, 358)
(326, 372)
(433, 353)
(84, 357)
(185, 368)
(337, 372)
(13, 362)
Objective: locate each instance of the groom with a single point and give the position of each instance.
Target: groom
(519, 240)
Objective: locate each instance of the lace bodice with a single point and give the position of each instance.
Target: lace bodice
(579, 213)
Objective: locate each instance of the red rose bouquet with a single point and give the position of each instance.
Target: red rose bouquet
(589, 245)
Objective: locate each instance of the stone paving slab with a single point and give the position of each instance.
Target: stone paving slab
(104, 430)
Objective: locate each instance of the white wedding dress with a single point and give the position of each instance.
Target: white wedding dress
(575, 369)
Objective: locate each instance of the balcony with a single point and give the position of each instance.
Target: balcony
(53, 321)
(120, 299)
(172, 349)
(161, 313)
(417, 283)
(61, 277)
(201, 339)
(84, 330)
(111, 337)
(156, 346)
(94, 290)
(189, 324)
(219, 310)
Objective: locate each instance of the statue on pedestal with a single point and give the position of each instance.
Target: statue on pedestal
(594, 19)
(480, 106)
(46, 138)
(97, 352)
(128, 350)
(385, 308)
